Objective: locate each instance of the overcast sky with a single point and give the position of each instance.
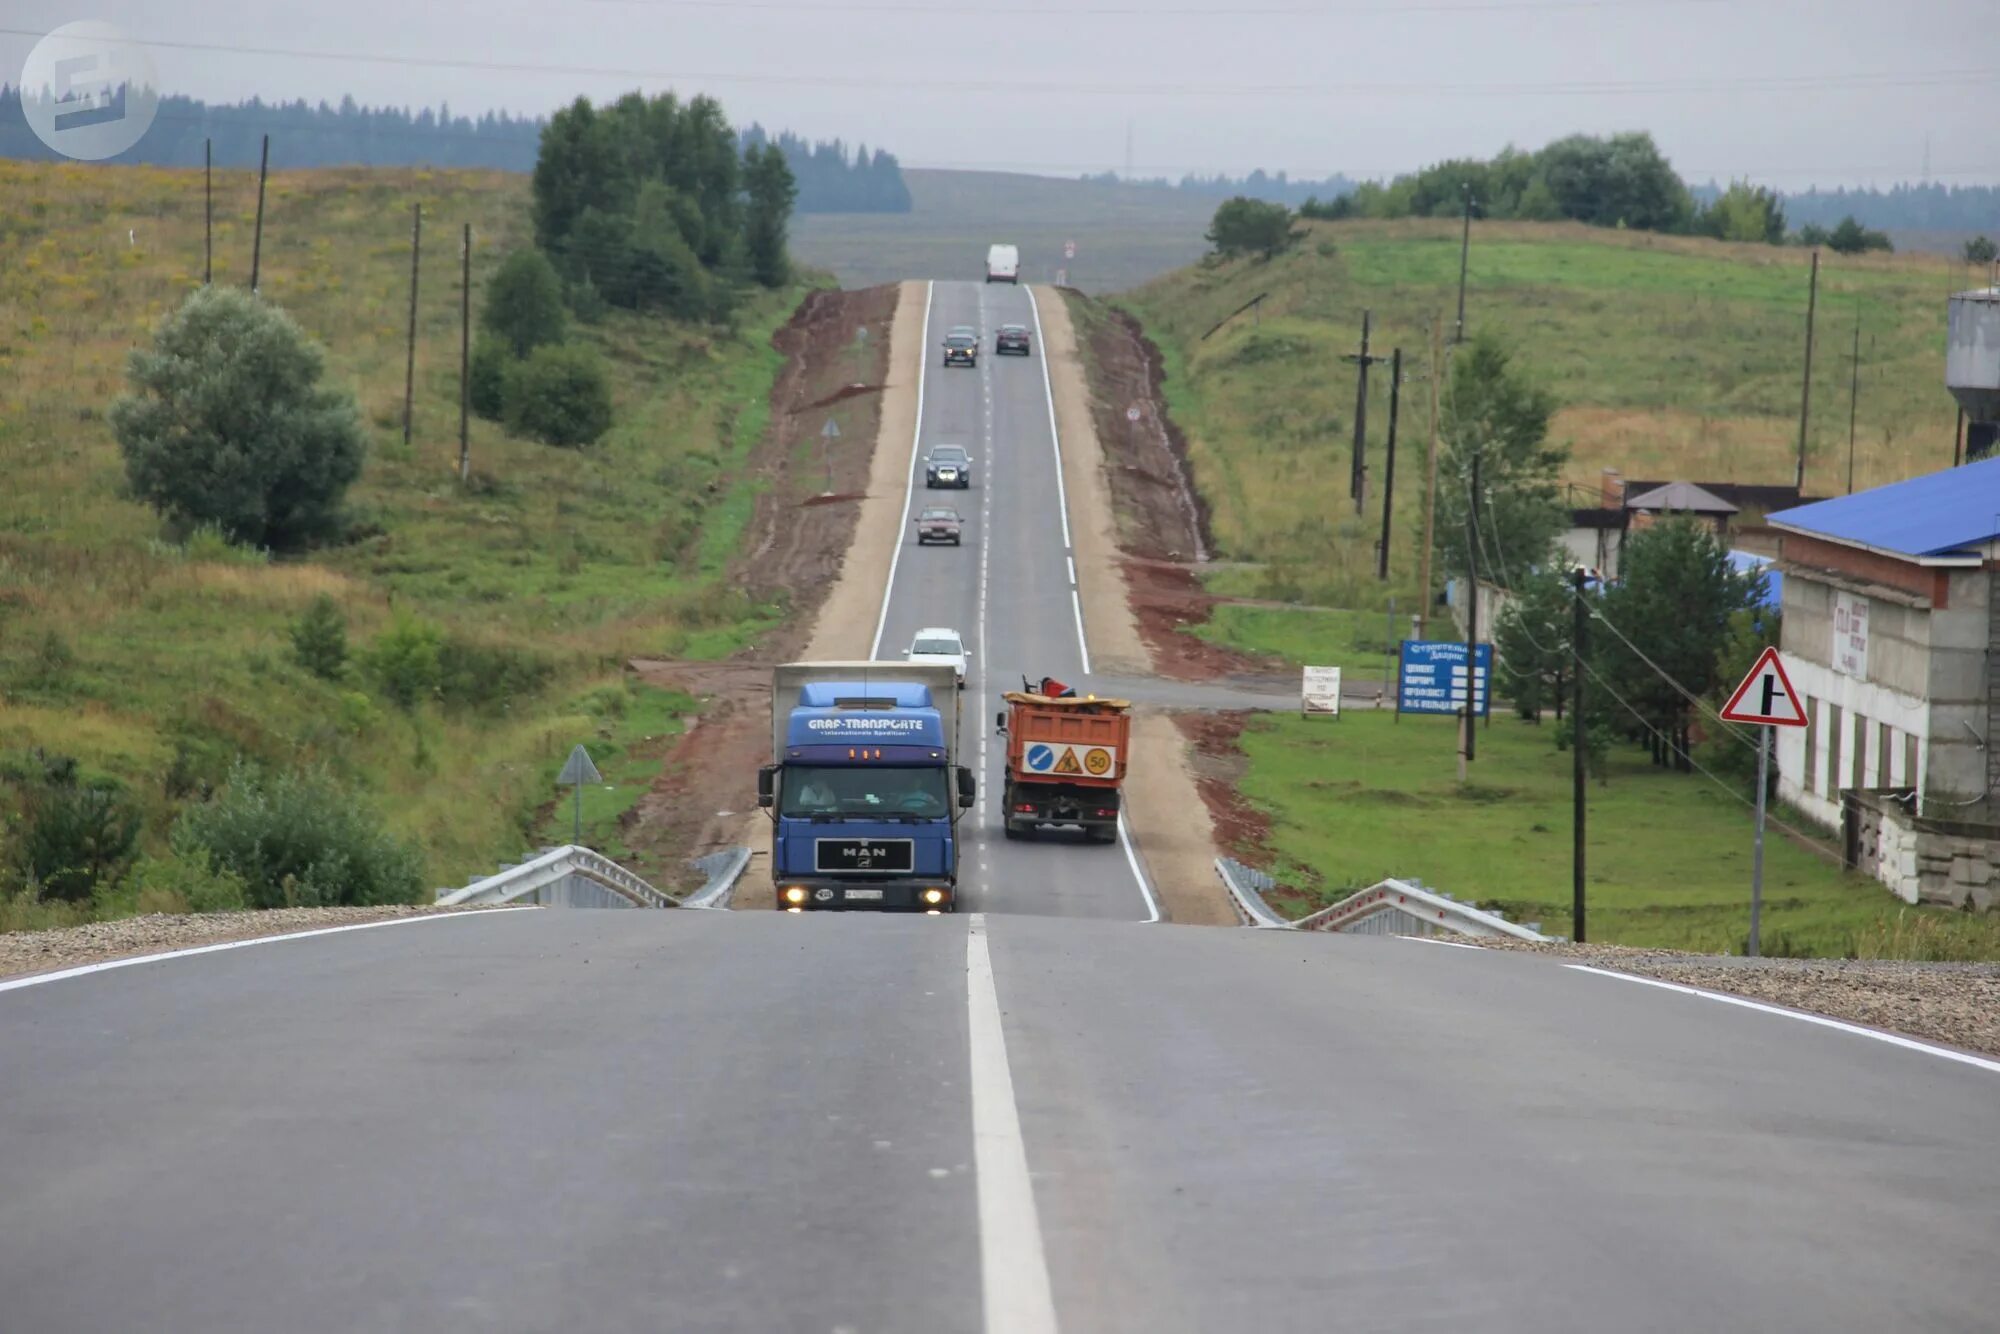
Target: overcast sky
(1789, 92)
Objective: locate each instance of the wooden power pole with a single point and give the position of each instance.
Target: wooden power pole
(1805, 394)
(1430, 484)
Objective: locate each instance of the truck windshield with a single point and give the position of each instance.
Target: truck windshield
(862, 791)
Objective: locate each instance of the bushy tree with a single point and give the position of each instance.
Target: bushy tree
(404, 662)
(1531, 641)
(771, 189)
(319, 639)
(75, 834)
(560, 396)
(1675, 604)
(524, 303)
(1851, 238)
(1494, 410)
(1745, 212)
(1244, 226)
(487, 375)
(227, 424)
(299, 840)
(1981, 250)
(1623, 181)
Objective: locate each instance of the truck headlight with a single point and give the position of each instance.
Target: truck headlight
(795, 894)
(933, 896)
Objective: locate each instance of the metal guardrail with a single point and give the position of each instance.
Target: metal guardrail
(1389, 908)
(723, 869)
(574, 875)
(1246, 886)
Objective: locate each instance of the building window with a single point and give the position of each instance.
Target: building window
(1810, 782)
(1860, 775)
(1885, 751)
(1833, 750)
(1910, 759)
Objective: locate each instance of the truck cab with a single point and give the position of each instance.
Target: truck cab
(864, 796)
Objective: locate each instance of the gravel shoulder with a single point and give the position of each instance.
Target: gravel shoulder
(97, 942)
(1955, 1004)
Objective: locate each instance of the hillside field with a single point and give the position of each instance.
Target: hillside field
(1671, 358)
(1125, 235)
(157, 663)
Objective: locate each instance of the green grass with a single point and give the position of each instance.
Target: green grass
(1357, 641)
(627, 731)
(1671, 357)
(1125, 235)
(1368, 797)
(580, 558)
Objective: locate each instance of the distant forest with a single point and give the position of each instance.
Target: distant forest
(1931, 207)
(830, 178)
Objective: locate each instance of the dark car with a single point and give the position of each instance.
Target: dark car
(948, 466)
(1013, 338)
(961, 349)
(938, 524)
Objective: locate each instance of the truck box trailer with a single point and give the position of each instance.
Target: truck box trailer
(1066, 759)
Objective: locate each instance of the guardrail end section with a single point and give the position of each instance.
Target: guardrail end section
(723, 868)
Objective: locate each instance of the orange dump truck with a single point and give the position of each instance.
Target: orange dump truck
(1065, 760)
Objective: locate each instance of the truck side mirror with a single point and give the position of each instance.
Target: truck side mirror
(1000, 722)
(767, 784)
(967, 793)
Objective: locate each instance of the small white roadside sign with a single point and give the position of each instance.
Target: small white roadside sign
(1320, 693)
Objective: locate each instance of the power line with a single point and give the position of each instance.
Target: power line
(875, 82)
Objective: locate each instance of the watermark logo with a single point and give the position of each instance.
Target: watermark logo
(89, 91)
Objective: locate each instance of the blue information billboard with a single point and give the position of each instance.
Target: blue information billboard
(1432, 679)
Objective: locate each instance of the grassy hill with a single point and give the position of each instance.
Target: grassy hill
(1672, 357)
(1125, 234)
(156, 663)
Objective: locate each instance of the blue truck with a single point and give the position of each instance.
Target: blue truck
(864, 788)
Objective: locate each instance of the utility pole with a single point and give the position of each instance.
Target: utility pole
(257, 244)
(465, 355)
(1466, 753)
(1805, 394)
(1853, 396)
(1464, 257)
(1389, 462)
(1357, 487)
(410, 359)
(1430, 481)
(207, 212)
(1579, 627)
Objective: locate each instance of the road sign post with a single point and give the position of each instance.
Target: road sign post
(577, 771)
(1764, 700)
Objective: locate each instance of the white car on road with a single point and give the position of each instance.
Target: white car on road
(939, 645)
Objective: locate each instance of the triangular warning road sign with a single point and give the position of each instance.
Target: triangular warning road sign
(1067, 764)
(1766, 696)
(578, 770)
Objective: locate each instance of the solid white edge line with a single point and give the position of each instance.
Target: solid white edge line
(1055, 442)
(1132, 859)
(909, 475)
(1893, 1039)
(1433, 940)
(1082, 647)
(105, 966)
(1013, 1266)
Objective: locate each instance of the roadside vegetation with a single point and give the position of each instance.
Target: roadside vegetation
(184, 677)
(1368, 797)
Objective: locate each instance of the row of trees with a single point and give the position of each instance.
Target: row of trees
(322, 134)
(647, 204)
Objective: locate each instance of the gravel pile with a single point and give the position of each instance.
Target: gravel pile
(1956, 1004)
(94, 942)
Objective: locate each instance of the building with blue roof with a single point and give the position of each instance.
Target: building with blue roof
(1890, 640)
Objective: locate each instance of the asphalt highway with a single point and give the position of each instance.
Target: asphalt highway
(1045, 1114)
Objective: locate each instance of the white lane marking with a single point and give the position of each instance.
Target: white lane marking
(909, 476)
(1132, 859)
(1071, 560)
(1013, 1268)
(1433, 940)
(84, 970)
(1893, 1039)
(1055, 443)
(1076, 606)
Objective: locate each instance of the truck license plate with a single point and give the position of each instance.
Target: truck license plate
(864, 894)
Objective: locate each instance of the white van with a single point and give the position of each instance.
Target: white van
(1003, 264)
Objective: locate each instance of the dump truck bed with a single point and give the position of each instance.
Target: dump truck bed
(1081, 741)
